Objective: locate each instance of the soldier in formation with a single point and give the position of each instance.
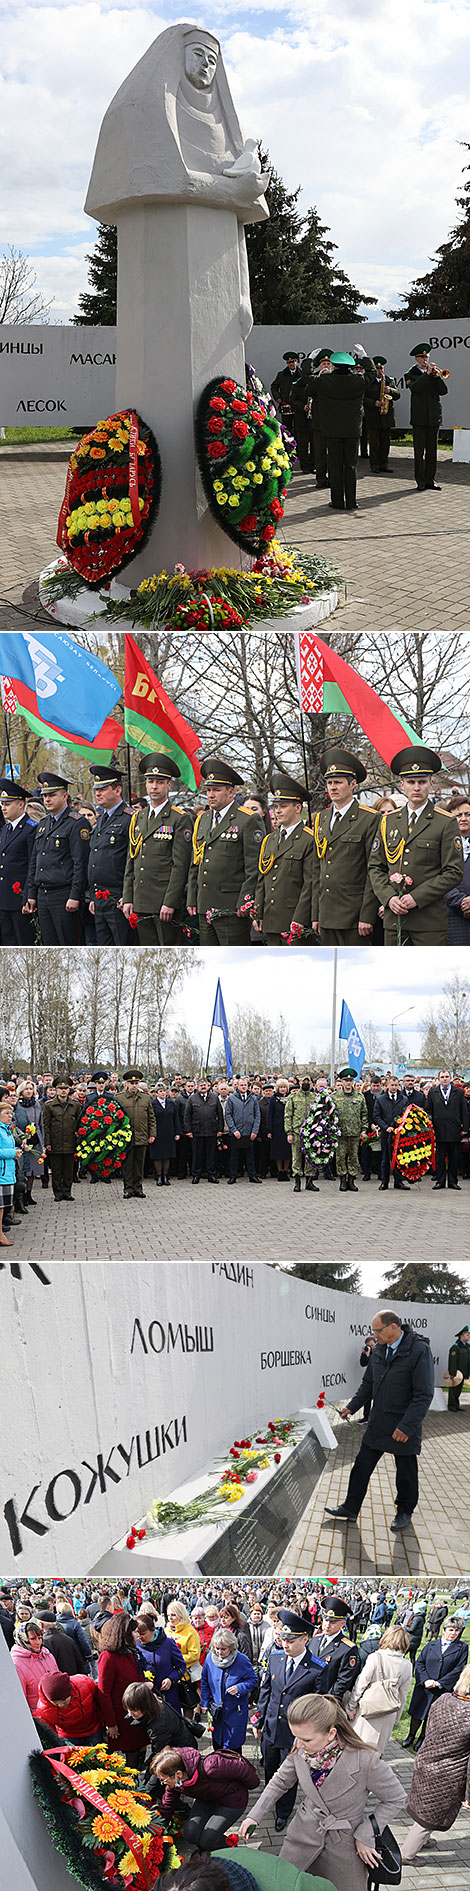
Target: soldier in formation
(344, 905)
(58, 866)
(283, 891)
(416, 856)
(16, 845)
(158, 856)
(107, 858)
(224, 868)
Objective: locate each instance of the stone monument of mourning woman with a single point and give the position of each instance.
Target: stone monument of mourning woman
(174, 173)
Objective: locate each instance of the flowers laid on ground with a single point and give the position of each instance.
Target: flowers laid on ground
(321, 1131)
(111, 496)
(244, 465)
(282, 578)
(248, 1456)
(414, 1144)
(107, 1830)
(104, 1134)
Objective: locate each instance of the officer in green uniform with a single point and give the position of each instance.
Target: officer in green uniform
(416, 857)
(343, 903)
(426, 386)
(352, 1111)
(297, 1106)
(158, 857)
(224, 869)
(379, 395)
(458, 1362)
(283, 895)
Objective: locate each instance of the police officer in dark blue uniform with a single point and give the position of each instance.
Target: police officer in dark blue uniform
(16, 844)
(107, 858)
(290, 1671)
(339, 1658)
(58, 867)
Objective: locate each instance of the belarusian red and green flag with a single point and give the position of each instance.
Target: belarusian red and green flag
(327, 686)
(151, 720)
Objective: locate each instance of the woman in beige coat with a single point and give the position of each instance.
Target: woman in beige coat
(388, 1663)
(336, 1774)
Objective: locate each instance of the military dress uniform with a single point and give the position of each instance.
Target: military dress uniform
(16, 844)
(426, 418)
(58, 872)
(340, 409)
(158, 858)
(283, 894)
(341, 1661)
(424, 848)
(341, 890)
(107, 860)
(287, 391)
(224, 868)
(379, 425)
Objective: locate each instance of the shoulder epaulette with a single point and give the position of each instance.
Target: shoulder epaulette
(177, 809)
(307, 829)
(448, 812)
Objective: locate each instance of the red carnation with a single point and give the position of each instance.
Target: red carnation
(233, 1453)
(230, 387)
(216, 450)
(130, 1541)
(141, 1533)
(215, 426)
(239, 430)
(16, 888)
(133, 919)
(220, 407)
(251, 1477)
(277, 1457)
(232, 1838)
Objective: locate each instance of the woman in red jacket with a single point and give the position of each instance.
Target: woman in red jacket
(219, 1785)
(117, 1667)
(70, 1704)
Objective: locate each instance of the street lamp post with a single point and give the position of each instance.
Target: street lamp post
(399, 1014)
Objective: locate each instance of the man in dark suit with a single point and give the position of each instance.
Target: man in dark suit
(447, 1107)
(388, 1108)
(438, 1667)
(400, 1376)
(458, 899)
(411, 1095)
(332, 1647)
(291, 1670)
(16, 845)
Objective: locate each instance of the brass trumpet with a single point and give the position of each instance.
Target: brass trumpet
(433, 369)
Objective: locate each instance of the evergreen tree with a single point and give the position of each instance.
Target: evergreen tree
(340, 1275)
(445, 291)
(421, 1280)
(293, 277)
(100, 308)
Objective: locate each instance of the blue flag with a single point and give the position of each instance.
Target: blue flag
(66, 686)
(219, 1018)
(349, 1034)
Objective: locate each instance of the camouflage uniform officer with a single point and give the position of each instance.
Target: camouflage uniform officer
(158, 856)
(343, 903)
(283, 895)
(59, 866)
(296, 1109)
(223, 874)
(416, 857)
(352, 1111)
(108, 854)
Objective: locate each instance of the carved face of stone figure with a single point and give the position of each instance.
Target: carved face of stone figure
(200, 63)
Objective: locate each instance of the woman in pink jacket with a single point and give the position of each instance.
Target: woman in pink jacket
(32, 1661)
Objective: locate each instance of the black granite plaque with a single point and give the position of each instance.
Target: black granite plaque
(253, 1544)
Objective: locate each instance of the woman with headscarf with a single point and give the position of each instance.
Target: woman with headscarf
(31, 1660)
(228, 1679)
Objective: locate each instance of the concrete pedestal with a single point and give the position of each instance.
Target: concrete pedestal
(28, 1861)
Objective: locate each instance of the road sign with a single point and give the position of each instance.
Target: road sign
(401, 1069)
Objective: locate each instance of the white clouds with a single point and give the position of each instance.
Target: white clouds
(362, 104)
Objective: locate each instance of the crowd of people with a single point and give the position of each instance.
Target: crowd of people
(314, 1678)
(338, 403)
(215, 1130)
(237, 868)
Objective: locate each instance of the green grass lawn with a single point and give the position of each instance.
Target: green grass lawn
(29, 436)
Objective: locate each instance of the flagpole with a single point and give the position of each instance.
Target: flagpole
(333, 1015)
(7, 739)
(209, 1045)
(129, 783)
(304, 752)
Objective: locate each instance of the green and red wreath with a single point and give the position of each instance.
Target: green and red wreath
(104, 1135)
(112, 493)
(244, 465)
(414, 1144)
(106, 1829)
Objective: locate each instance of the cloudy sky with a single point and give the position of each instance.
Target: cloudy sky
(376, 983)
(362, 102)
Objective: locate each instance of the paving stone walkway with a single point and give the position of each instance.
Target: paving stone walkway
(438, 1542)
(405, 556)
(173, 1224)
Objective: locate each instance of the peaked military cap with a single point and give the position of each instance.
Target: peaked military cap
(347, 1075)
(132, 1075)
(62, 1078)
(12, 790)
(338, 761)
(380, 361)
(342, 360)
(220, 774)
(49, 781)
(98, 1076)
(416, 760)
(109, 777)
(336, 1606)
(422, 348)
(286, 788)
(291, 354)
(159, 764)
(295, 1623)
(324, 354)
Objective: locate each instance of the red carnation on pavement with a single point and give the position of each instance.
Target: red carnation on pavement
(233, 1453)
(130, 1542)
